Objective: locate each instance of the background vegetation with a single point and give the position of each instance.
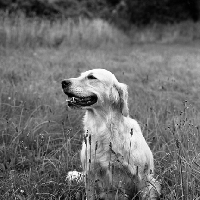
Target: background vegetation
(40, 138)
(121, 12)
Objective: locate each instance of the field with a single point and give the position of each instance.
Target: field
(40, 137)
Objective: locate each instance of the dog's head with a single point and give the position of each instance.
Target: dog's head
(96, 88)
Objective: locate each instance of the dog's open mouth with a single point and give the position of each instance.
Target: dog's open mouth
(74, 100)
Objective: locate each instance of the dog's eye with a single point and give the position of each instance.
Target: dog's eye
(91, 77)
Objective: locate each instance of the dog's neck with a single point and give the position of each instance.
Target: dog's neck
(101, 119)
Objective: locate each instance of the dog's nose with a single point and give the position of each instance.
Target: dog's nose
(66, 83)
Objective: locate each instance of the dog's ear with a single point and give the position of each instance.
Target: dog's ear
(119, 93)
(123, 95)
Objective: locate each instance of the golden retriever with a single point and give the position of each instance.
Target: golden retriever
(115, 157)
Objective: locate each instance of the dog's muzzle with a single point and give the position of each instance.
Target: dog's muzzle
(75, 100)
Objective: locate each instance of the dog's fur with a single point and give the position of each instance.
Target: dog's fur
(115, 156)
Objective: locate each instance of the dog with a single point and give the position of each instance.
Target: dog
(115, 157)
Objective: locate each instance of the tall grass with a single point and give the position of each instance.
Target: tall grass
(186, 31)
(23, 32)
(40, 138)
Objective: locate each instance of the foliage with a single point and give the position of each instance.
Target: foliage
(120, 12)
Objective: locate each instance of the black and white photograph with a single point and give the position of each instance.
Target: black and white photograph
(99, 99)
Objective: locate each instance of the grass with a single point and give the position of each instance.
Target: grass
(94, 33)
(40, 138)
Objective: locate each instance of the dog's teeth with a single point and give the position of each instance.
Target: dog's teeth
(73, 99)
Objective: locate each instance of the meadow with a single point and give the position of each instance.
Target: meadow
(40, 137)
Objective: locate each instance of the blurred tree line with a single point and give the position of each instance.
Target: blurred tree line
(137, 12)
